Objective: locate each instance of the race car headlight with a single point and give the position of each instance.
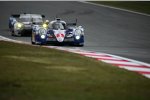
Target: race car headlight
(43, 36)
(19, 25)
(42, 31)
(78, 32)
(77, 37)
(45, 25)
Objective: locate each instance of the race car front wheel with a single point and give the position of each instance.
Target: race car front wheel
(79, 44)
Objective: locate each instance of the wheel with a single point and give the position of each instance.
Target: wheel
(12, 32)
(19, 34)
(32, 42)
(79, 44)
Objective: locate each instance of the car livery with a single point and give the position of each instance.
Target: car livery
(20, 24)
(59, 32)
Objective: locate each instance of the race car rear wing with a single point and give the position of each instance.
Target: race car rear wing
(15, 15)
(18, 15)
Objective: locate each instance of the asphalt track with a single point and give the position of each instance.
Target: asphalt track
(106, 30)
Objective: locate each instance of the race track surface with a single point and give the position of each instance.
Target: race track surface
(106, 30)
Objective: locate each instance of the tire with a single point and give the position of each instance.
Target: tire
(12, 32)
(32, 41)
(79, 45)
(19, 34)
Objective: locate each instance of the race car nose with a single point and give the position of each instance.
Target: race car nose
(60, 35)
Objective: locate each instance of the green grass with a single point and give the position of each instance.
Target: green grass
(37, 73)
(139, 6)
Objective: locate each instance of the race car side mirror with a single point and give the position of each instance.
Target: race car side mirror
(15, 15)
(81, 28)
(43, 16)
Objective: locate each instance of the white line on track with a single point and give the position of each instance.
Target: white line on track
(147, 75)
(131, 60)
(103, 57)
(136, 69)
(119, 62)
(91, 54)
(106, 6)
(133, 66)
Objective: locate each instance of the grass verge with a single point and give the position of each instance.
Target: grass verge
(139, 6)
(37, 73)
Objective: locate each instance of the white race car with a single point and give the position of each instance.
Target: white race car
(21, 24)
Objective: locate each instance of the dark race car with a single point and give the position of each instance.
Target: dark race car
(58, 31)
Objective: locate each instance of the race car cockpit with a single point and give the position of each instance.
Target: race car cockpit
(57, 24)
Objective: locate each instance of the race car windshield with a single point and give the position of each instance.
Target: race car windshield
(57, 26)
(25, 19)
(37, 20)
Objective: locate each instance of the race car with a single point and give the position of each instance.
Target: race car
(58, 32)
(21, 24)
